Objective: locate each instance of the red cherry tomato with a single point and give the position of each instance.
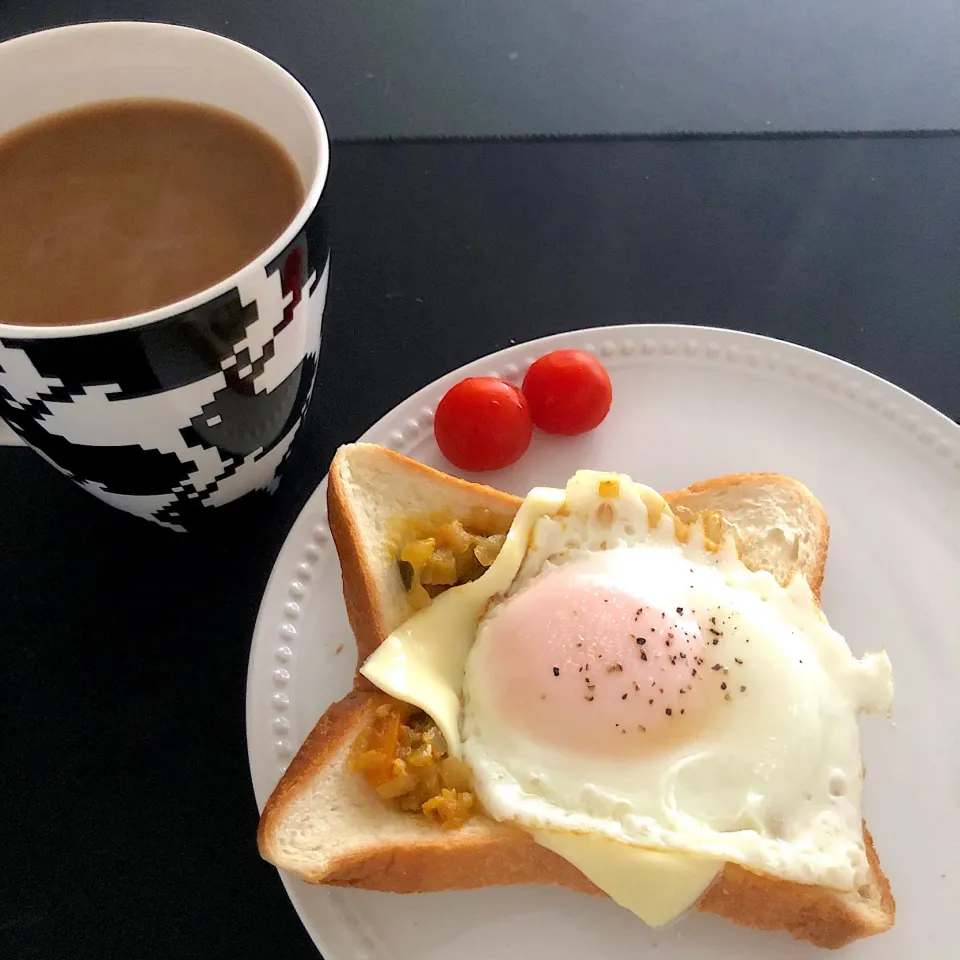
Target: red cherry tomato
(483, 423)
(568, 391)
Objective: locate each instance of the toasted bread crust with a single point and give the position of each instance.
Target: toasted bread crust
(505, 857)
(498, 854)
(359, 588)
(809, 913)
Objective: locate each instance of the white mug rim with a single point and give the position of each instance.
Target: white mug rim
(310, 202)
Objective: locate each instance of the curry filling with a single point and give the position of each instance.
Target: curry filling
(436, 553)
(403, 756)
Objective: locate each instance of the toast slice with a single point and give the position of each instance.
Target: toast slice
(325, 825)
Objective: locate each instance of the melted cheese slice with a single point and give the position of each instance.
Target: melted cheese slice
(423, 663)
(655, 886)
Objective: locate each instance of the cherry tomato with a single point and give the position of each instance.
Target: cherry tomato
(483, 423)
(568, 391)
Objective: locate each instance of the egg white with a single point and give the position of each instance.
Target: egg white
(772, 781)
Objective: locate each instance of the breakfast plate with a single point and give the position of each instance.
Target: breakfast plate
(689, 403)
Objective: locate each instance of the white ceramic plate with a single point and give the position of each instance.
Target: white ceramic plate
(689, 403)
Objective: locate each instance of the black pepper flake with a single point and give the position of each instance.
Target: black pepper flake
(651, 703)
(580, 670)
(717, 666)
(713, 620)
(641, 728)
(683, 689)
(716, 633)
(636, 686)
(683, 656)
(624, 697)
(588, 699)
(643, 654)
(661, 689)
(669, 712)
(682, 710)
(723, 686)
(669, 635)
(743, 689)
(693, 672)
(680, 611)
(556, 671)
(738, 660)
(641, 640)
(615, 667)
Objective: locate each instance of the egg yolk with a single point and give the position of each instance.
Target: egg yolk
(578, 662)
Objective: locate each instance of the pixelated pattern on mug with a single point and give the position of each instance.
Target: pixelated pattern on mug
(186, 413)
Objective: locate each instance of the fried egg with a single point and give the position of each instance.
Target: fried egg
(619, 682)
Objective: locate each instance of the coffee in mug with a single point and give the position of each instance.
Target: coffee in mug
(130, 205)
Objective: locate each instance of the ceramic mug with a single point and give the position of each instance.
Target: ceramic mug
(173, 412)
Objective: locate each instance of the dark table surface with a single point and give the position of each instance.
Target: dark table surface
(404, 68)
(127, 824)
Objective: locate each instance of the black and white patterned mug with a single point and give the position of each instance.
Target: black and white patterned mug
(173, 412)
